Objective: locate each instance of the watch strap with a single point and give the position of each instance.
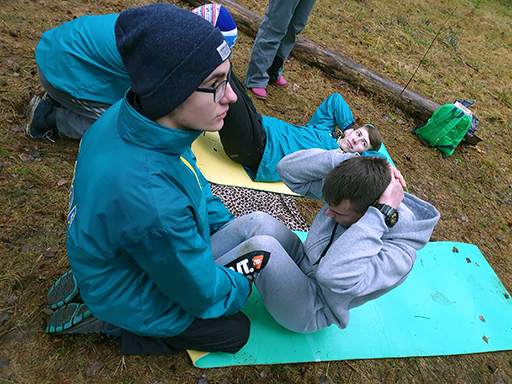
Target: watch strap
(390, 213)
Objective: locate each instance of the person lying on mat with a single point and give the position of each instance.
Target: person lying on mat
(259, 142)
(82, 72)
(144, 229)
(362, 244)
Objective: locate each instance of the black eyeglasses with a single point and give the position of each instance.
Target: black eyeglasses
(219, 90)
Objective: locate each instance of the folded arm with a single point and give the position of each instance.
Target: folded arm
(303, 171)
(365, 262)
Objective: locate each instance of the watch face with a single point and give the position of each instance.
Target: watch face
(392, 219)
(390, 214)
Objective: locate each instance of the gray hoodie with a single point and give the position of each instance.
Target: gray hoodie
(365, 260)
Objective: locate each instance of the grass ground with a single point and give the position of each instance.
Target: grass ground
(471, 59)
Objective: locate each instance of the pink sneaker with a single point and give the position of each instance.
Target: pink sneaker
(281, 81)
(260, 93)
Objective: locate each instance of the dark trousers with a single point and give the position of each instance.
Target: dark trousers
(224, 334)
(242, 135)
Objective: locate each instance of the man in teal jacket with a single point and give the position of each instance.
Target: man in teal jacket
(144, 229)
(82, 72)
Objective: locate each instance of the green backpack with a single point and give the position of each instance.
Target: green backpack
(446, 128)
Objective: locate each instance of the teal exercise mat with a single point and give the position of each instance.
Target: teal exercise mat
(452, 303)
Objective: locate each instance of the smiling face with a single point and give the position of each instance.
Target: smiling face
(199, 112)
(355, 141)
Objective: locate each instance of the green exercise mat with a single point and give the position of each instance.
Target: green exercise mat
(452, 303)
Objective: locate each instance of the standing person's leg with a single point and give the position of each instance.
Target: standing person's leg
(242, 135)
(296, 25)
(334, 111)
(272, 30)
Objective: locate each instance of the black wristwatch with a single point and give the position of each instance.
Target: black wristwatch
(390, 214)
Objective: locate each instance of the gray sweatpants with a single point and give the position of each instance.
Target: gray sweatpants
(76, 115)
(284, 19)
(289, 295)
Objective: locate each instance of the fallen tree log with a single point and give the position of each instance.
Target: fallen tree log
(338, 66)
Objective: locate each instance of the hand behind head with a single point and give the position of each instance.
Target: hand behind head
(394, 193)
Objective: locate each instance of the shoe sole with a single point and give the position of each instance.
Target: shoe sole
(68, 316)
(259, 97)
(31, 107)
(63, 291)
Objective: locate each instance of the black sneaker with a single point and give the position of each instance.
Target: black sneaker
(63, 291)
(38, 110)
(74, 318)
(250, 263)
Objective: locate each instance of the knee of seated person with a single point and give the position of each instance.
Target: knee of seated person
(264, 221)
(241, 326)
(261, 242)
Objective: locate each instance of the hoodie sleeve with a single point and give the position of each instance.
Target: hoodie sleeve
(369, 259)
(303, 171)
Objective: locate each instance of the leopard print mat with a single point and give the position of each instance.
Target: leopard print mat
(241, 201)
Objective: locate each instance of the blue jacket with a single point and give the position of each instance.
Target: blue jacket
(139, 227)
(80, 58)
(284, 138)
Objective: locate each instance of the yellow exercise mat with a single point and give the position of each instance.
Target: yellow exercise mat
(218, 168)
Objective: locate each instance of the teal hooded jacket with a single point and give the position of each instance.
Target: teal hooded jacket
(139, 226)
(80, 57)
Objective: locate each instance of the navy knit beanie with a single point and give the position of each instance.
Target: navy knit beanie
(167, 52)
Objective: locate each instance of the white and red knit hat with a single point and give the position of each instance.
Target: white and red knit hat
(220, 18)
